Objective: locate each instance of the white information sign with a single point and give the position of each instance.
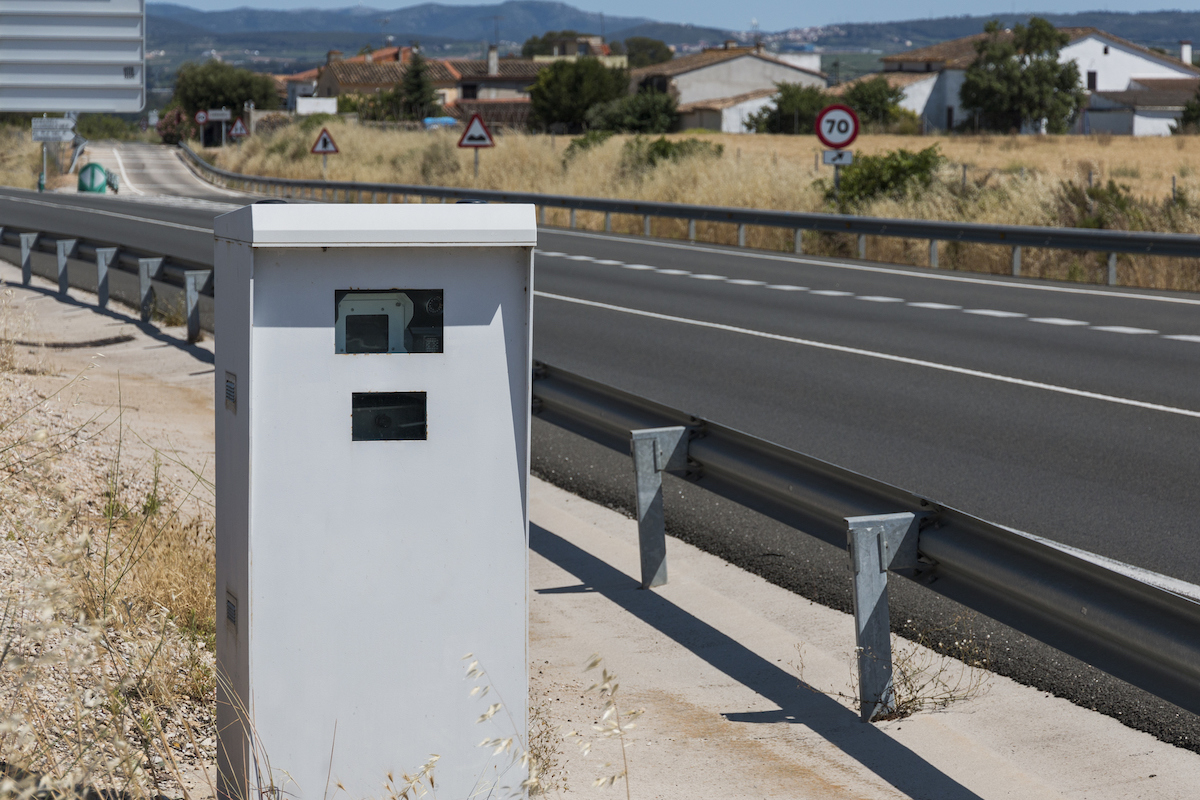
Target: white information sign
(66, 55)
(839, 158)
(219, 115)
(53, 129)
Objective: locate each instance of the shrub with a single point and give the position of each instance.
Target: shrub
(314, 122)
(439, 161)
(892, 174)
(794, 110)
(271, 123)
(1110, 206)
(175, 126)
(104, 126)
(644, 112)
(584, 143)
(642, 155)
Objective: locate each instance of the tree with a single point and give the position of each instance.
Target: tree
(214, 84)
(794, 110)
(644, 51)
(544, 45)
(1016, 81)
(417, 97)
(1189, 122)
(565, 90)
(644, 112)
(874, 100)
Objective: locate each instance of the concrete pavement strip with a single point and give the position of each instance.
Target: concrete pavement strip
(744, 684)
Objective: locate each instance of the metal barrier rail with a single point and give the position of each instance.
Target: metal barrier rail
(191, 278)
(1014, 236)
(1067, 598)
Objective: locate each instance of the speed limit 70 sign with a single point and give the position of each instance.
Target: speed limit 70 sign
(837, 126)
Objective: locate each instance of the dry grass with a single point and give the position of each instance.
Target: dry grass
(106, 609)
(1010, 180)
(20, 159)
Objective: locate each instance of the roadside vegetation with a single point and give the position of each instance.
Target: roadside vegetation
(1011, 179)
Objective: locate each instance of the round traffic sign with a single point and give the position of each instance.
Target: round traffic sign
(201, 117)
(837, 126)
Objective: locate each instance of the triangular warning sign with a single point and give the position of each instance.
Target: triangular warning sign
(238, 130)
(324, 144)
(476, 134)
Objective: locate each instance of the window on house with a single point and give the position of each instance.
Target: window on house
(949, 118)
(470, 91)
(928, 67)
(1105, 49)
(1091, 81)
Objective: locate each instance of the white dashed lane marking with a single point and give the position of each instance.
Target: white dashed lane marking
(783, 287)
(1122, 329)
(1058, 321)
(991, 312)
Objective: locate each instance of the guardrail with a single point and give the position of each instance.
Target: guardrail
(157, 275)
(1081, 604)
(1013, 236)
(1112, 616)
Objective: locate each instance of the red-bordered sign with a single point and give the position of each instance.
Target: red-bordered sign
(238, 129)
(476, 134)
(837, 126)
(201, 117)
(324, 145)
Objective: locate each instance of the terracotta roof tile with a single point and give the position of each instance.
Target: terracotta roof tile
(719, 103)
(510, 69)
(706, 58)
(895, 79)
(382, 73)
(960, 53)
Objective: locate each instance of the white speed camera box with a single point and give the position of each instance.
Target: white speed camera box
(373, 398)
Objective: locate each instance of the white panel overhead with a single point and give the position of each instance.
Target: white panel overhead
(73, 55)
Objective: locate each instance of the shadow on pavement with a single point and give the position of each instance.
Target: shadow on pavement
(891, 761)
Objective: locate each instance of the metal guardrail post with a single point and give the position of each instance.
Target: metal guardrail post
(862, 247)
(741, 235)
(148, 269)
(104, 257)
(28, 242)
(933, 253)
(64, 249)
(876, 544)
(608, 222)
(799, 234)
(193, 283)
(646, 225)
(572, 224)
(691, 230)
(1112, 269)
(1016, 260)
(654, 450)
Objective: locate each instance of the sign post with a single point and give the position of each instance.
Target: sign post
(323, 147)
(221, 115)
(51, 129)
(837, 128)
(476, 137)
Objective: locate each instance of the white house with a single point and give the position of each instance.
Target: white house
(730, 80)
(1107, 64)
(724, 114)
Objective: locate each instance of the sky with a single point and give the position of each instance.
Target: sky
(771, 14)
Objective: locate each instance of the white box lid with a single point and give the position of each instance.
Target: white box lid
(382, 225)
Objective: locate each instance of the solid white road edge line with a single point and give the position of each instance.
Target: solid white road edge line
(885, 270)
(916, 362)
(125, 175)
(89, 210)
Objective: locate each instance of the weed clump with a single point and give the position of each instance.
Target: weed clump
(641, 155)
(439, 161)
(895, 175)
(582, 144)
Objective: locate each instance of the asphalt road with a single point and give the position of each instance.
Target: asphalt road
(1064, 410)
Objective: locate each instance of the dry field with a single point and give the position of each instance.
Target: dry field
(1010, 180)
